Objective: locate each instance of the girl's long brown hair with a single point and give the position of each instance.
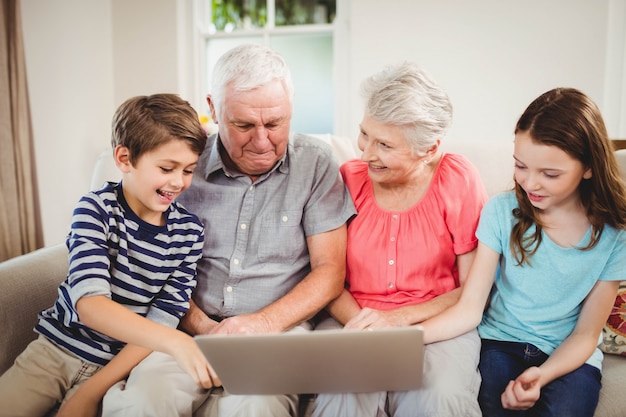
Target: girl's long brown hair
(568, 119)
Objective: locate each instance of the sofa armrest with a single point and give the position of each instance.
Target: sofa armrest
(28, 284)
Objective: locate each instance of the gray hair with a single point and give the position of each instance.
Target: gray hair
(247, 67)
(405, 95)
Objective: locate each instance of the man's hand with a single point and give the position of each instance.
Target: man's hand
(244, 324)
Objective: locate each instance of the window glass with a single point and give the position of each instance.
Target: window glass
(310, 58)
(230, 15)
(302, 12)
(309, 53)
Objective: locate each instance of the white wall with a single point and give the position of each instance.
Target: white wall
(614, 109)
(68, 48)
(492, 57)
(84, 57)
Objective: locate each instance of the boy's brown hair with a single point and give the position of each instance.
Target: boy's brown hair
(143, 123)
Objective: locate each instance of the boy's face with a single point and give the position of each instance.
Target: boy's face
(157, 178)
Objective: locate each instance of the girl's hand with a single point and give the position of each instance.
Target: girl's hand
(524, 392)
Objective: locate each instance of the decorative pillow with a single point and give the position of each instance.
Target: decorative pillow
(614, 332)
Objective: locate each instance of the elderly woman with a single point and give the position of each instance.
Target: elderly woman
(411, 244)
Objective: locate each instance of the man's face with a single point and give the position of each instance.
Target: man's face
(254, 127)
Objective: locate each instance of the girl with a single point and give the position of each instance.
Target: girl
(550, 257)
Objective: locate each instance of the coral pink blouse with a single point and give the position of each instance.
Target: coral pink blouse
(405, 258)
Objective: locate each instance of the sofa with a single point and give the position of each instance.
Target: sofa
(28, 283)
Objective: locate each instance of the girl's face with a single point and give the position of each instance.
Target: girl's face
(385, 149)
(157, 178)
(549, 176)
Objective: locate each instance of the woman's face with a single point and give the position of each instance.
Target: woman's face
(388, 154)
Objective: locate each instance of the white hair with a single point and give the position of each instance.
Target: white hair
(405, 95)
(247, 67)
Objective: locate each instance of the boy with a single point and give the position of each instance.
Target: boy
(133, 252)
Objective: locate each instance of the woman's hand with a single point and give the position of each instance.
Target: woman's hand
(377, 319)
(524, 392)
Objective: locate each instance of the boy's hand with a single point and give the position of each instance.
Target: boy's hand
(192, 360)
(79, 406)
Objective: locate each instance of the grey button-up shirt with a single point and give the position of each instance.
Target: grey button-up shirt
(255, 248)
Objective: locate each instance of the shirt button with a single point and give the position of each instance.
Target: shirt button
(395, 217)
(391, 262)
(229, 289)
(251, 188)
(390, 285)
(236, 261)
(284, 219)
(393, 239)
(243, 226)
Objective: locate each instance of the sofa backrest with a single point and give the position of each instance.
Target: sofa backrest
(621, 159)
(493, 159)
(105, 169)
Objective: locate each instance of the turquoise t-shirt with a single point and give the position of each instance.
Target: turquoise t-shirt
(540, 304)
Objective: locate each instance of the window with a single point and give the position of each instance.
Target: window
(300, 30)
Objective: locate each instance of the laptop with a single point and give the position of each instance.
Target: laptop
(322, 361)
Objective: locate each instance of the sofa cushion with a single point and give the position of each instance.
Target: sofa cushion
(612, 401)
(614, 331)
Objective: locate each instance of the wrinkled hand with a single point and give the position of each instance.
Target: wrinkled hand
(79, 406)
(244, 324)
(374, 319)
(192, 360)
(524, 392)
